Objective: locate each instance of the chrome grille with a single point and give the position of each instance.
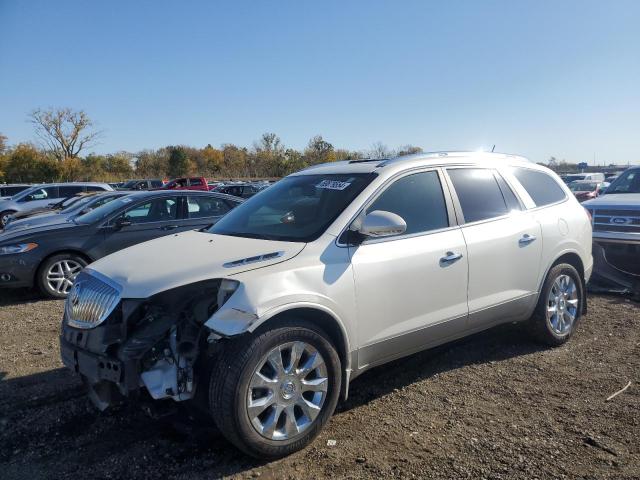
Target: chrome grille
(91, 299)
(616, 220)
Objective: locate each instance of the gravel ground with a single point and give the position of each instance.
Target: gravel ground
(492, 406)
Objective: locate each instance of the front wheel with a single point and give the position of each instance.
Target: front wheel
(56, 274)
(272, 393)
(559, 306)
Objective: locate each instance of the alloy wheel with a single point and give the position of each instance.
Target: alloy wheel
(61, 275)
(562, 305)
(287, 391)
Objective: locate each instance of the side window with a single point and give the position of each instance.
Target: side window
(541, 187)
(156, 210)
(479, 194)
(203, 206)
(507, 193)
(196, 182)
(69, 191)
(418, 199)
(156, 183)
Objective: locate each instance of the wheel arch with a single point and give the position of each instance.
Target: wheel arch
(59, 252)
(572, 258)
(324, 318)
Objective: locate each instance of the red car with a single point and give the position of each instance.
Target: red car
(585, 189)
(187, 183)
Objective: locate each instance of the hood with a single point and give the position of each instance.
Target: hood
(36, 221)
(33, 232)
(175, 260)
(615, 200)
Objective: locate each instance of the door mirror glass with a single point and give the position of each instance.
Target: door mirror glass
(380, 223)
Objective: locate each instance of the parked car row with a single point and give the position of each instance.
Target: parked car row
(263, 319)
(49, 251)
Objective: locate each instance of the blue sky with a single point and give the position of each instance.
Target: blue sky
(539, 78)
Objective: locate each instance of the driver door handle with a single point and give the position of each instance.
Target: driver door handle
(450, 257)
(526, 239)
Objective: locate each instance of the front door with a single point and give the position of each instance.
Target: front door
(411, 290)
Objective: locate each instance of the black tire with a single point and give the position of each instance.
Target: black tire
(540, 326)
(229, 384)
(3, 217)
(43, 270)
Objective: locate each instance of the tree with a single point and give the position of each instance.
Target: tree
(26, 164)
(319, 151)
(64, 132)
(179, 164)
(3, 143)
(380, 150)
(408, 150)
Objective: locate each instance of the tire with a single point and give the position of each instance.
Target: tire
(232, 387)
(56, 274)
(559, 307)
(4, 216)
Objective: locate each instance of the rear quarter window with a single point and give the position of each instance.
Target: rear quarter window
(541, 187)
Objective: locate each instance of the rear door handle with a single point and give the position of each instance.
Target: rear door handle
(169, 227)
(450, 257)
(526, 239)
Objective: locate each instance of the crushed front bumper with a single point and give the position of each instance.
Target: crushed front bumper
(617, 263)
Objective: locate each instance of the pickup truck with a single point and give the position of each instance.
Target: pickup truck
(187, 183)
(616, 231)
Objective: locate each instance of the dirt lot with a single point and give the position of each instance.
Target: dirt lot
(492, 406)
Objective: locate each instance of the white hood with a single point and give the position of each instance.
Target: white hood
(168, 262)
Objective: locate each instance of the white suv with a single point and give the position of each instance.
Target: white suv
(263, 319)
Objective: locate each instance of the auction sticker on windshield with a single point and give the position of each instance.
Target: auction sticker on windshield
(333, 185)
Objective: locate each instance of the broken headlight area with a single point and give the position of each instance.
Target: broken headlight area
(149, 345)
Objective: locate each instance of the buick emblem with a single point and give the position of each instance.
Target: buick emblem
(621, 220)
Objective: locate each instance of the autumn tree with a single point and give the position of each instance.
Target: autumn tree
(3, 143)
(319, 151)
(26, 164)
(64, 132)
(408, 150)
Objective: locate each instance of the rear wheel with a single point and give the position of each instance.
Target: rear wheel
(56, 275)
(4, 217)
(272, 393)
(559, 306)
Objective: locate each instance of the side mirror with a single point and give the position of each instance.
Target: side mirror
(122, 222)
(380, 223)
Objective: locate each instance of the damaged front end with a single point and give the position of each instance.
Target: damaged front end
(133, 348)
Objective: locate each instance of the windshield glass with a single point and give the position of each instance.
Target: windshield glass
(295, 209)
(103, 211)
(627, 182)
(583, 186)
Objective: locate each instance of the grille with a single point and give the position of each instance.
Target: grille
(91, 299)
(609, 220)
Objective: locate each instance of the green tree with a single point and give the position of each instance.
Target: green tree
(319, 151)
(179, 164)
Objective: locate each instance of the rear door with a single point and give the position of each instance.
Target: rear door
(203, 210)
(146, 220)
(504, 245)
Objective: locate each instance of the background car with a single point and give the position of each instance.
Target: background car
(12, 189)
(585, 189)
(147, 184)
(51, 256)
(243, 190)
(187, 183)
(45, 194)
(70, 208)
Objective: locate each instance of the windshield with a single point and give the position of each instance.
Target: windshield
(627, 182)
(583, 186)
(102, 212)
(296, 209)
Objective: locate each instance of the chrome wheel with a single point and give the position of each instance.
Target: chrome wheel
(61, 275)
(287, 391)
(562, 305)
(4, 219)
